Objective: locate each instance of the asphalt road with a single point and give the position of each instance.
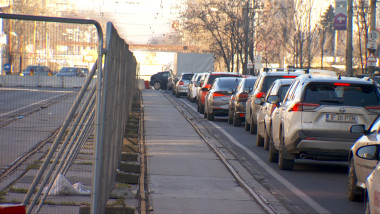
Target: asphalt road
(312, 187)
(28, 116)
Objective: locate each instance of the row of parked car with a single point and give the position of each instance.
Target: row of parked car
(314, 115)
(41, 70)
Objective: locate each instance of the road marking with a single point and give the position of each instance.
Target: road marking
(312, 203)
(36, 103)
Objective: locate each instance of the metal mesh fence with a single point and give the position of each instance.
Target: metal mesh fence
(61, 115)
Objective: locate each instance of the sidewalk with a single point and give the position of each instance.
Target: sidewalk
(184, 174)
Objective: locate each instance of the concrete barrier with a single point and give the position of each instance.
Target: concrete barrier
(43, 81)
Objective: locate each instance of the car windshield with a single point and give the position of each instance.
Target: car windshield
(342, 94)
(68, 70)
(187, 76)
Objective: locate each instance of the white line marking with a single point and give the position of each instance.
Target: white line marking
(11, 112)
(312, 203)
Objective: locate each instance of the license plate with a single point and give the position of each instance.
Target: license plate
(347, 118)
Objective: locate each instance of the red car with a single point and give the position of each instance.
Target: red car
(206, 86)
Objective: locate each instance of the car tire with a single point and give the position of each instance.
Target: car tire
(252, 127)
(259, 140)
(283, 163)
(236, 120)
(266, 139)
(246, 125)
(354, 193)
(157, 85)
(173, 92)
(210, 116)
(205, 112)
(201, 108)
(177, 94)
(230, 116)
(272, 154)
(366, 205)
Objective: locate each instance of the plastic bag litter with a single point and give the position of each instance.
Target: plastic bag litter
(62, 186)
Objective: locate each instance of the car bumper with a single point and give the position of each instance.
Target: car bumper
(182, 89)
(320, 148)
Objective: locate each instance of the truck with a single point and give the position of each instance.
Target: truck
(190, 63)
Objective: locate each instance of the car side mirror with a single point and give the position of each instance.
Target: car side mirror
(367, 152)
(359, 129)
(258, 101)
(205, 89)
(273, 99)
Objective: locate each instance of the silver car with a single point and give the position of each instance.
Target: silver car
(180, 87)
(217, 98)
(264, 116)
(363, 158)
(193, 86)
(372, 191)
(315, 118)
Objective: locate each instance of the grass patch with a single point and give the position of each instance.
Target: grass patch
(2, 195)
(122, 185)
(85, 163)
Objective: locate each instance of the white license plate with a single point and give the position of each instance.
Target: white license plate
(347, 118)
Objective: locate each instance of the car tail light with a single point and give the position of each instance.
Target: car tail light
(303, 107)
(289, 77)
(241, 115)
(208, 86)
(260, 95)
(373, 108)
(181, 83)
(218, 94)
(341, 84)
(242, 97)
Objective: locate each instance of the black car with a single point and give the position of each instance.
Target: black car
(159, 80)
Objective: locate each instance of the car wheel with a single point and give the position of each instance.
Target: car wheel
(259, 140)
(283, 163)
(173, 92)
(157, 85)
(367, 205)
(354, 193)
(210, 116)
(205, 113)
(201, 108)
(266, 139)
(246, 125)
(272, 154)
(236, 120)
(252, 127)
(230, 117)
(177, 94)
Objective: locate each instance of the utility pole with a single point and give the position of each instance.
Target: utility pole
(372, 28)
(349, 39)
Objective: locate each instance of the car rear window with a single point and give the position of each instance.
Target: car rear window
(213, 77)
(187, 76)
(342, 94)
(267, 82)
(228, 84)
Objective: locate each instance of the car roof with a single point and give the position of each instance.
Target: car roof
(353, 80)
(280, 73)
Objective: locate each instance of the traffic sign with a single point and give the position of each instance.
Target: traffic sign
(372, 45)
(373, 36)
(7, 67)
(372, 64)
(258, 65)
(371, 58)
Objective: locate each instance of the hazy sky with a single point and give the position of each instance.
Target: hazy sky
(139, 20)
(136, 20)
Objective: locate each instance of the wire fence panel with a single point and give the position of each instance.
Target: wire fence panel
(62, 117)
(115, 104)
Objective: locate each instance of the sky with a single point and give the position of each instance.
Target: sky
(138, 21)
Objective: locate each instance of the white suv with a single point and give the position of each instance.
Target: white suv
(315, 118)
